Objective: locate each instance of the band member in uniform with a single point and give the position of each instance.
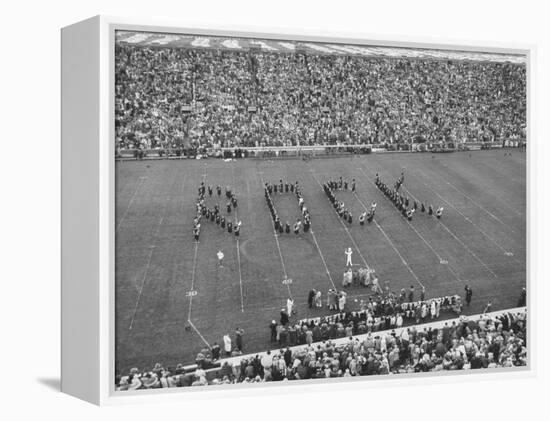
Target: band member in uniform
(297, 227)
(373, 208)
(346, 185)
(237, 228)
(210, 190)
(197, 231)
(430, 210)
(287, 187)
(415, 205)
(353, 185)
(350, 217)
(229, 227)
(439, 212)
(218, 219)
(307, 223)
(422, 208)
(410, 213)
(228, 207)
(280, 186)
(222, 221)
(219, 190)
(362, 218)
(370, 217)
(228, 192)
(287, 227)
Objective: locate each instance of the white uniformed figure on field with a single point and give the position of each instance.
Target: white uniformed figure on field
(227, 344)
(220, 258)
(348, 252)
(289, 306)
(347, 278)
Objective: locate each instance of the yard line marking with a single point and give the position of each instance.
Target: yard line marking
(468, 249)
(238, 244)
(454, 273)
(481, 207)
(193, 280)
(198, 333)
(454, 236)
(503, 202)
(322, 258)
(344, 225)
(277, 241)
(393, 245)
(459, 240)
(240, 276)
(506, 252)
(144, 278)
(130, 203)
(195, 259)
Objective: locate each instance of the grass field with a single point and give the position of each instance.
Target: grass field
(482, 236)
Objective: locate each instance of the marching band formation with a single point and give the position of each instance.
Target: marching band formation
(406, 206)
(403, 203)
(214, 214)
(361, 276)
(270, 189)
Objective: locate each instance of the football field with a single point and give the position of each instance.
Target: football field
(172, 298)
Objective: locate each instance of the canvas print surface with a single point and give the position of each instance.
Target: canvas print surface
(295, 211)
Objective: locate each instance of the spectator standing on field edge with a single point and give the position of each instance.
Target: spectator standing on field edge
(469, 294)
(239, 338)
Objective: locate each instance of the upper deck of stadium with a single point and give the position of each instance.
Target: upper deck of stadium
(146, 39)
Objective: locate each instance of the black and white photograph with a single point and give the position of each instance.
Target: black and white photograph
(290, 210)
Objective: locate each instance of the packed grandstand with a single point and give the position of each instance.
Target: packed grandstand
(174, 98)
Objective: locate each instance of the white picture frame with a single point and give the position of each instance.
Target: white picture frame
(88, 209)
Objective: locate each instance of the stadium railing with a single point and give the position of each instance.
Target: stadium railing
(308, 151)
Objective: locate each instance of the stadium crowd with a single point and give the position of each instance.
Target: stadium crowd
(168, 97)
(486, 342)
(375, 314)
